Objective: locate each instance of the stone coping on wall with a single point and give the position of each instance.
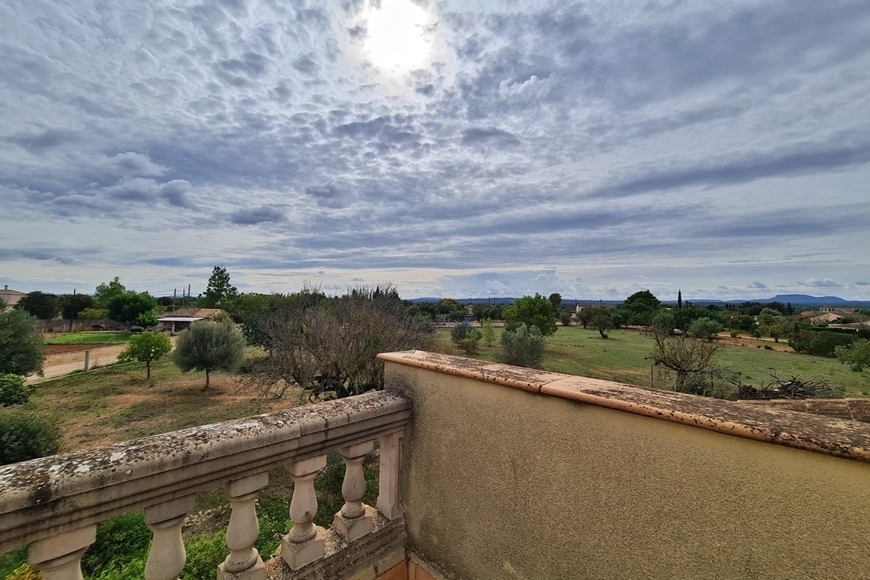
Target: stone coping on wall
(820, 434)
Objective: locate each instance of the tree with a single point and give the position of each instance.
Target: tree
(488, 332)
(640, 307)
(331, 347)
(679, 299)
(664, 323)
(72, 304)
(209, 346)
(146, 348)
(522, 347)
(94, 313)
(704, 329)
(21, 344)
(688, 357)
(601, 319)
(106, 291)
(148, 319)
(856, 355)
(126, 308)
(220, 293)
(533, 311)
(39, 304)
(556, 300)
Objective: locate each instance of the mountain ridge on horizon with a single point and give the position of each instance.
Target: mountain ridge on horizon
(794, 299)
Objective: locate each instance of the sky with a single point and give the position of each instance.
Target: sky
(453, 148)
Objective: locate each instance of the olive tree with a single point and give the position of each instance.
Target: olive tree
(209, 346)
(688, 357)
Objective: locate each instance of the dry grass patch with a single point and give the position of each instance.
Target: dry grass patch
(117, 403)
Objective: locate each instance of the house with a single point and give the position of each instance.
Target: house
(825, 318)
(184, 317)
(10, 297)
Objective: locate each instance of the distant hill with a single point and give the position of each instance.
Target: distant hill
(793, 299)
(808, 300)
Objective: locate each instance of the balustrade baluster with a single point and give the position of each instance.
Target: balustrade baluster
(244, 562)
(388, 487)
(352, 522)
(59, 557)
(166, 557)
(305, 543)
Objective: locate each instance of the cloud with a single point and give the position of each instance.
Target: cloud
(531, 89)
(478, 135)
(257, 216)
(760, 285)
(133, 164)
(694, 147)
(38, 140)
(824, 283)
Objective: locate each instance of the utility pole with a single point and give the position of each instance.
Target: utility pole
(72, 307)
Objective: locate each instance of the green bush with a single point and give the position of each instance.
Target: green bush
(704, 328)
(522, 347)
(459, 332)
(120, 541)
(856, 355)
(25, 436)
(203, 557)
(819, 343)
(13, 390)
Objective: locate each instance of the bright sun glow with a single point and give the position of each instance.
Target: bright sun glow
(397, 40)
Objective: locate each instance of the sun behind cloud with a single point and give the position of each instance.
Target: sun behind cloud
(398, 39)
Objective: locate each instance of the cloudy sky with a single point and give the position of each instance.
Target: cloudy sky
(455, 148)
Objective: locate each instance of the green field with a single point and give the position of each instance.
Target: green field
(90, 338)
(622, 357)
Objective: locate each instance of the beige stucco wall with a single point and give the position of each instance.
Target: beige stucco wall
(503, 483)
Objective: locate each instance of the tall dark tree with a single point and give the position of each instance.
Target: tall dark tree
(72, 304)
(679, 299)
(220, 293)
(40, 305)
(640, 307)
(555, 300)
(128, 307)
(106, 291)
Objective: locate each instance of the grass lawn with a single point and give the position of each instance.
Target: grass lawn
(90, 338)
(622, 357)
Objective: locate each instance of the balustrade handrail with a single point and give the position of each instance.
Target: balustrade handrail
(44, 497)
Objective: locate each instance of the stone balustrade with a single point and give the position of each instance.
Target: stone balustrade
(53, 504)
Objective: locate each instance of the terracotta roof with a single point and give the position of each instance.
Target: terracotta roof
(197, 312)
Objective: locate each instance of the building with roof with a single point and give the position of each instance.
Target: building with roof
(10, 297)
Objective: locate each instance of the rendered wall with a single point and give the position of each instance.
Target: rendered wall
(503, 483)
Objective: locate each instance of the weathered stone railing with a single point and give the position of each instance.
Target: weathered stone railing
(53, 504)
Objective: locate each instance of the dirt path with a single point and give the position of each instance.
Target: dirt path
(64, 363)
